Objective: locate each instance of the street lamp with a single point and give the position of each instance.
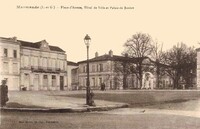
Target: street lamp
(87, 40)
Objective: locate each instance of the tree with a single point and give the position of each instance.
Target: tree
(188, 71)
(181, 60)
(157, 57)
(123, 68)
(139, 47)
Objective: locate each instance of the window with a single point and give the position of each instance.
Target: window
(93, 68)
(97, 68)
(15, 53)
(61, 64)
(35, 61)
(49, 63)
(15, 68)
(16, 83)
(53, 65)
(53, 80)
(57, 63)
(53, 77)
(101, 67)
(5, 67)
(44, 62)
(84, 69)
(93, 81)
(45, 81)
(26, 61)
(100, 81)
(5, 52)
(45, 77)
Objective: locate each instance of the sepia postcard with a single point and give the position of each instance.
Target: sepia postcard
(100, 64)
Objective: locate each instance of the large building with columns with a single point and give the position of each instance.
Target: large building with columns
(43, 67)
(32, 65)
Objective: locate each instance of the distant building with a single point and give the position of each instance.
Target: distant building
(72, 75)
(101, 70)
(198, 68)
(10, 62)
(43, 67)
(109, 69)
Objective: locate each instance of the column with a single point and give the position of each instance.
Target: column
(40, 82)
(21, 80)
(31, 81)
(49, 87)
(65, 82)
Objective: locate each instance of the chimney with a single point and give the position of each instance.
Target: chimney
(96, 54)
(15, 39)
(111, 53)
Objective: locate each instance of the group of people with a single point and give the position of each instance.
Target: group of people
(4, 93)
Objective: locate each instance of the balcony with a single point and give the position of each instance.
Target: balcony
(40, 69)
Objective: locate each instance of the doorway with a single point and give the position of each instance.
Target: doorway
(61, 83)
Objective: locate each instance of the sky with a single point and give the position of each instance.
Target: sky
(168, 22)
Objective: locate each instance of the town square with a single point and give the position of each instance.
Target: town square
(131, 64)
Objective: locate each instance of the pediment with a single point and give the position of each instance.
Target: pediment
(44, 45)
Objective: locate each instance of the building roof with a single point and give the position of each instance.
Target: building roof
(198, 49)
(38, 44)
(13, 39)
(72, 63)
(107, 57)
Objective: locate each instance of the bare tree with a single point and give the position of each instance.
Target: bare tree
(123, 68)
(139, 47)
(181, 60)
(157, 57)
(188, 71)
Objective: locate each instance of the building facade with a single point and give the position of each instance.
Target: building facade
(198, 68)
(111, 69)
(102, 70)
(43, 67)
(32, 66)
(72, 75)
(10, 62)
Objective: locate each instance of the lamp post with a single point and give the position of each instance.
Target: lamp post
(87, 40)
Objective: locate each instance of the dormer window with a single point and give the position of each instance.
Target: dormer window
(45, 45)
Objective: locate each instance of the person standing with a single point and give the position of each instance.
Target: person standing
(4, 93)
(103, 86)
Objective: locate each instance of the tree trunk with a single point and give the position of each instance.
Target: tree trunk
(157, 75)
(124, 82)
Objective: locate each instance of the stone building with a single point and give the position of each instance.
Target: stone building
(198, 68)
(109, 69)
(43, 67)
(10, 62)
(72, 75)
(102, 70)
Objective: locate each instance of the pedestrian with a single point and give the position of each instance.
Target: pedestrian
(103, 86)
(4, 93)
(92, 99)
